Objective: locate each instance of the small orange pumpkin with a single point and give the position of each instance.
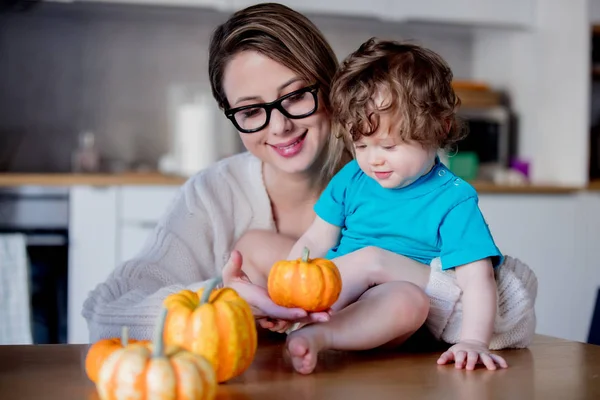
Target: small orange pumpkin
(311, 284)
(215, 323)
(99, 351)
(156, 372)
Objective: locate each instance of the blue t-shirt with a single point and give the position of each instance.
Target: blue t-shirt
(435, 216)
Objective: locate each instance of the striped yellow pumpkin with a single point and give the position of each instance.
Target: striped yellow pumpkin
(156, 372)
(217, 324)
(311, 284)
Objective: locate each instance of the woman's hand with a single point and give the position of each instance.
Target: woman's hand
(270, 315)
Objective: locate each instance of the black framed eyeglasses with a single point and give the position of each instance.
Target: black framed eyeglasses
(298, 104)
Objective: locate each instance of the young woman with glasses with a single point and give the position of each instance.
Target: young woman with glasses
(270, 70)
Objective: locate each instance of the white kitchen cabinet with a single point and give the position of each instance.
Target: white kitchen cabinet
(223, 5)
(355, 8)
(143, 204)
(92, 249)
(589, 219)
(140, 209)
(509, 13)
(546, 232)
(108, 225)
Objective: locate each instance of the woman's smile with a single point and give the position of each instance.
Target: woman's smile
(289, 148)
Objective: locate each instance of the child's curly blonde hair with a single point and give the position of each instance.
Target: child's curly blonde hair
(417, 85)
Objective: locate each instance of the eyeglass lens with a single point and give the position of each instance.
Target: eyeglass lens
(296, 105)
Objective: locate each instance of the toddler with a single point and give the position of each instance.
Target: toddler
(395, 106)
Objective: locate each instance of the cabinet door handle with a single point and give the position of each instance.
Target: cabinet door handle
(46, 240)
(146, 225)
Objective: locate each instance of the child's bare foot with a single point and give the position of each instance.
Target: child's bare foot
(304, 346)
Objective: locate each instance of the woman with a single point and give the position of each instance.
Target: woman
(270, 70)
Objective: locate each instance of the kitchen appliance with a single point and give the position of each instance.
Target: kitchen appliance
(42, 214)
(595, 153)
(490, 138)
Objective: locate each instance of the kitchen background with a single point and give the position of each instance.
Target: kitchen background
(113, 69)
(126, 80)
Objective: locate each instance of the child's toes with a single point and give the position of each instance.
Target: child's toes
(302, 353)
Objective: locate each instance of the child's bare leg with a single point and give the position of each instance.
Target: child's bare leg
(357, 277)
(372, 266)
(388, 312)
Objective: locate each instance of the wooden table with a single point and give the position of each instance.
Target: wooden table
(549, 369)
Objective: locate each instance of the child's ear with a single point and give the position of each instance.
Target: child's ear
(448, 125)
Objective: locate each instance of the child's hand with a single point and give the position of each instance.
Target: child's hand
(467, 354)
(275, 325)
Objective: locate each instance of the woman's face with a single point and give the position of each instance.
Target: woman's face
(289, 145)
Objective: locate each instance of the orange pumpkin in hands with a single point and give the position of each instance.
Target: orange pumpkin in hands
(99, 351)
(215, 323)
(311, 284)
(156, 372)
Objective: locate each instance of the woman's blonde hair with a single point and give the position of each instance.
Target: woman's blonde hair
(290, 39)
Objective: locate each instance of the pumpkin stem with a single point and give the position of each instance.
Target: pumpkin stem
(209, 288)
(158, 334)
(124, 336)
(305, 254)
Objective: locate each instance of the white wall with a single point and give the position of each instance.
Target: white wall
(546, 72)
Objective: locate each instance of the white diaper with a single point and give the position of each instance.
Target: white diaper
(515, 318)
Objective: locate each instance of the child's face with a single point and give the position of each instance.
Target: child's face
(390, 161)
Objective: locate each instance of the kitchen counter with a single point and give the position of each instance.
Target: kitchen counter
(157, 179)
(119, 179)
(492, 188)
(594, 185)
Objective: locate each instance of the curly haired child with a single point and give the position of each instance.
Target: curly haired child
(395, 106)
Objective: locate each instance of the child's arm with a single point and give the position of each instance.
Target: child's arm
(468, 247)
(319, 238)
(478, 284)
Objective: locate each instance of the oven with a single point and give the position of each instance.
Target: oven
(41, 214)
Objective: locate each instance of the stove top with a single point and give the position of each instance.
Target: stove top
(34, 208)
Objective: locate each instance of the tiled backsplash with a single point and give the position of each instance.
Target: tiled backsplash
(107, 68)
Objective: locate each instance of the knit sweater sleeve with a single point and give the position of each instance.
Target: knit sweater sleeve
(188, 247)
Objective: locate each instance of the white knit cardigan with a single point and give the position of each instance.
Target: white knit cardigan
(190, 245)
